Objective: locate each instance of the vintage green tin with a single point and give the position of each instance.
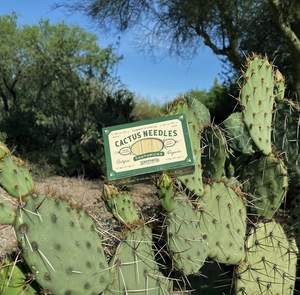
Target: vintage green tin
(137, 151)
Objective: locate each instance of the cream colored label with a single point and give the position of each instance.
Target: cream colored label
(147, 145)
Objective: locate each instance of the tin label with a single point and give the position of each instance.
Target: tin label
(137, 147)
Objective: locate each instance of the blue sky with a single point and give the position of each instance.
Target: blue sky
(157, 82)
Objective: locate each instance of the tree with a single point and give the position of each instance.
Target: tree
(182, 26)
(39, 62)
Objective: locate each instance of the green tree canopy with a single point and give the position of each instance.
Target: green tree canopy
(231, 28)
(44, 59)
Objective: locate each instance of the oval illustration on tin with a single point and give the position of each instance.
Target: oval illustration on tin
(169, 142)
(147, 145)
(125, 151)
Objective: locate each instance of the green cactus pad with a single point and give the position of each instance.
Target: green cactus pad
(13, 281)
(165, 191)
(257, 99)
(13, 179)
(238, 137)
(198, 117)
(265, 182)
(7, 214)
(213, 152)
(286, 137)
(134, 267)
(222, 216)
(120, 204)
(63, 251)
(186, 245)
(213, 279)
(270, 267)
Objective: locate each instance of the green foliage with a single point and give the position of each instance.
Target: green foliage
(25, 131)
(144, 109)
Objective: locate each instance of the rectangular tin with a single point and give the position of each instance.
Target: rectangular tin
(137, 151)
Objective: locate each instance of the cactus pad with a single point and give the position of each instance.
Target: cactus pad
(198, 117)
(238, 135)
(165, 191)
(265, 182)
(63, 251)
(120, 204)
(13, 179)
(134, 267)
(222, 216)
(270, 267)
(186, 245)
(257, 99)
(213, 152)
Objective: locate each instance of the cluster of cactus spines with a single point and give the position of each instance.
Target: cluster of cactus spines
(238, 135)
(222, 217)
(270, 267)
(265, 183)
(187, 247)
(214, 151)
(206, 235)
(257, 99)
(286, 137)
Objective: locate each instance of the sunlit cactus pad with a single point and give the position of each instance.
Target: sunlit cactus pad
(270, 267)
(187, 247)
(257, 99)
(222, 216)
(134, 267)
(61, 247)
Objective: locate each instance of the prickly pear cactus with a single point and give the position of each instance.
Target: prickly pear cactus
(265, 182)
(198, 117)
(165, 191)
(257, 99)
(187, 247)
(270, 267)
(120, 204)
(213, 152)
(134, 266)
(60, 245)
(222, 217)
(239, 138)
